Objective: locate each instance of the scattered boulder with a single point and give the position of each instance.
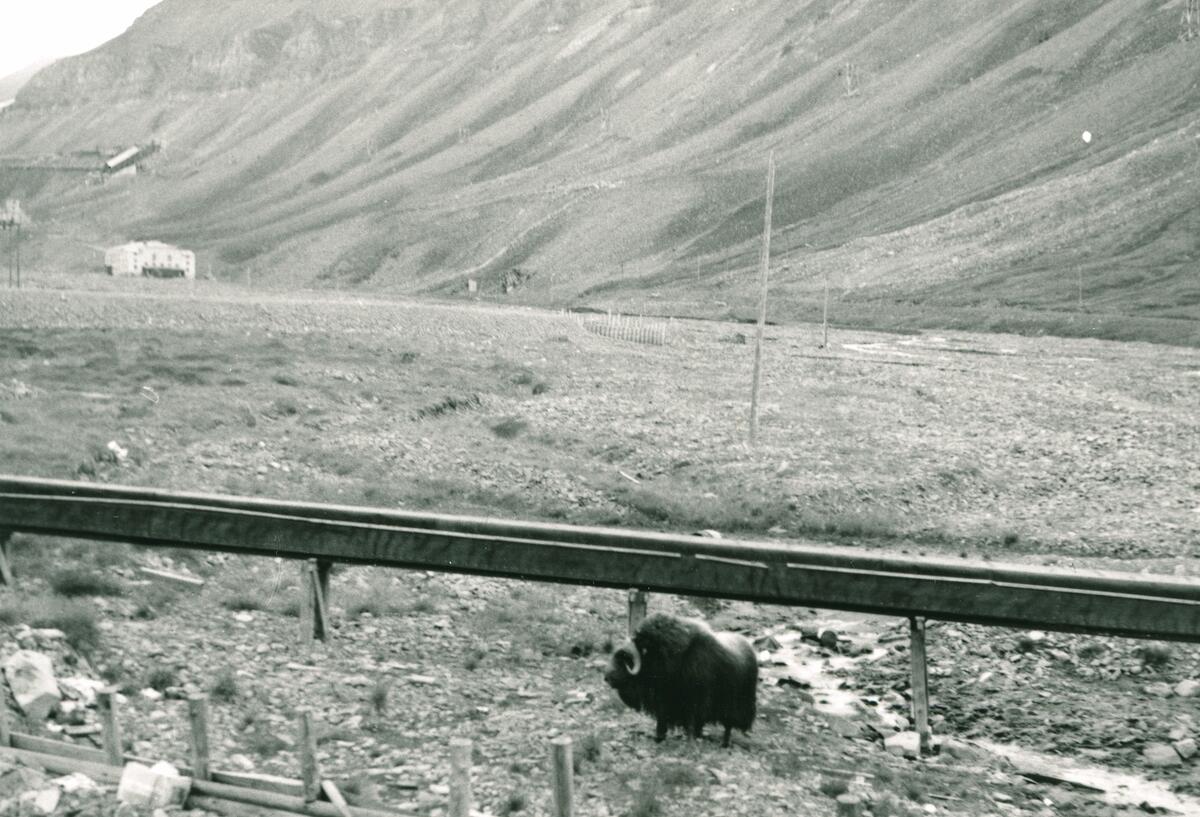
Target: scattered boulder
(40, 801)
(18, 779)
(81, 689)
(966, 752)
(828, 639)
(31, 678)
(1160, 754)
(76, 781)
(1187, 689)
(907, 744)
(1185, 747)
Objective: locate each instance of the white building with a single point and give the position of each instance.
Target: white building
(152, 258)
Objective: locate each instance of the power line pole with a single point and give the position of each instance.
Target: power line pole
(764, 262)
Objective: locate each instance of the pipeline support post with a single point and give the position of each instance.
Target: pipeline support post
(637, 608)
(920, 683)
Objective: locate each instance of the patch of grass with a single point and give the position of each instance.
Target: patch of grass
(193, 560)
(161, 677)
(8, 417)
(517, 800)
(509, 428)
(76, 619)
(378, 697)
(372, 601)
(284, 407)
(540, 387)
(1155, 654)
(676, 774)
(360, 790)
(285, 379)
(134, 411)
(243, 600)
(336, 733)
(225, 687)
(646, 803)
(589, 749)
(866, 523)
(78, 581)
(788, 765)
(265, 743)
(289, 606)
(706, 606)
(679, 506)
(449, 405)
(474, 658)
(833, 785)
(530, 618)
(238, 253)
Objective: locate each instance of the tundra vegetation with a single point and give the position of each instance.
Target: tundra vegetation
(1001, 447)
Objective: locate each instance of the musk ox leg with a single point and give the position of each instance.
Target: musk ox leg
(660, 730)
(725, 740)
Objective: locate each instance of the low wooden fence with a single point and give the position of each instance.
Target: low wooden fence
(989, 593)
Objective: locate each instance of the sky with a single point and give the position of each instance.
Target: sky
(31, 30)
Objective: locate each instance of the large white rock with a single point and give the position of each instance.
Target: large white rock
(31, 678)
(82, 689)
(1160, 754)
(41, 801)
(1187, 689)
(152, 787)
(906, 744)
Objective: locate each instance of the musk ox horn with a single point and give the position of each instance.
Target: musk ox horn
(635, 658)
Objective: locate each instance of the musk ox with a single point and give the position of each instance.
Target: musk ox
(683, 674)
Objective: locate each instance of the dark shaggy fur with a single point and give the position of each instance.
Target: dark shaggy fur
(689, 676)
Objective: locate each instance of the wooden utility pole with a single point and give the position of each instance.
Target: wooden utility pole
(764, 261)
(825, 315)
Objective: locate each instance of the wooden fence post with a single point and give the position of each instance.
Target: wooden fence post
(920, 683)
(106, 703)
(6, 575)
(637, 608)
(564, 794)
(310, 769)
(198, 720)
(460, 777)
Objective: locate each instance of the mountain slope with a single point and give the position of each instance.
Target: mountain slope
(10, 84)
(926, 151)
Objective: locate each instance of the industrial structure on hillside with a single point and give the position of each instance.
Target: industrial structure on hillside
(151, 258)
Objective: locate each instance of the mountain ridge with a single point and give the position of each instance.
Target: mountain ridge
(926, 151)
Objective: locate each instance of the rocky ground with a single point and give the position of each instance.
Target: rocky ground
(1077, 453)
